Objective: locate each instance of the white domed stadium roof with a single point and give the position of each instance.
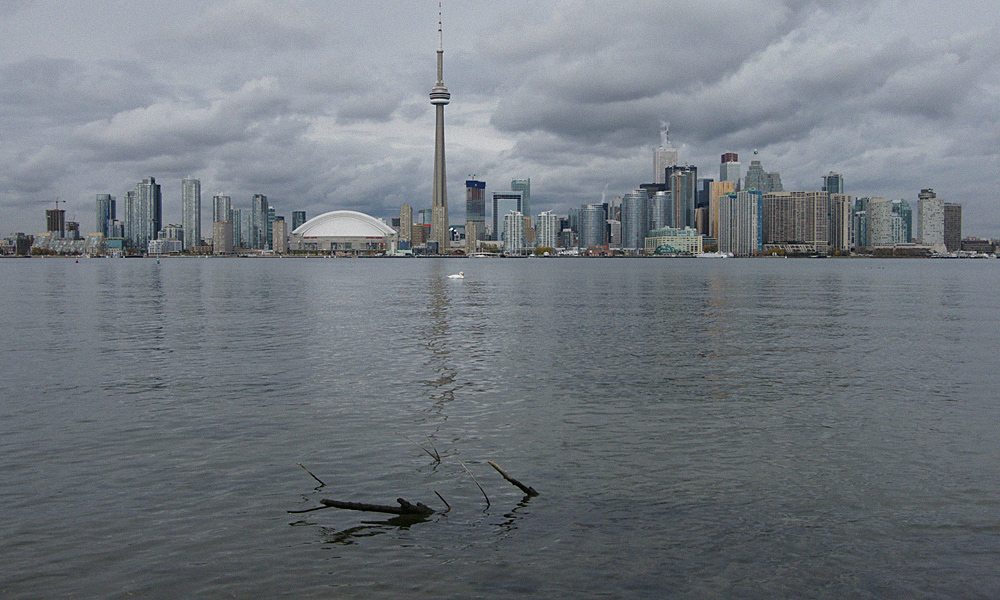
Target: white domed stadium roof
(344, 223)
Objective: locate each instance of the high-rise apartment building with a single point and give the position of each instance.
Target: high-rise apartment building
(634, 220)
(258, 222)
(593, 226)
(905, 212)
(953, 226)
(523, 186)
(665, 156)
(406, 224)
(271, 218)
(191, 212)
(841, 206)
(547, 229)
(683, 183)
(279, 237)
(105, 214)
(797, 218)
(299, 217)
(144, 213)
(222, 209)
(475, 213)
(930, 223)
(741, 223)
(716, 190)
(730, 168)
(661, 209)
(513, 232)
(833, 183)
(236, 215)
(880, 223)
(55, 222)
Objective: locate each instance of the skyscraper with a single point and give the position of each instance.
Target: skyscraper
(729, 167)
(879, 223)
(839, 237)
(953, 226)
(797, 218)
(523, 186)
(513, 226)
(146, 214)
(439, 206)
(665, 156)
(741, 222)
(191, 211)
(930, 223)
(222, 208)
(635, 220)
(905, 212)
(299, 217)
(593, 225)
(258, 222)
(684, 188)
(715, 191)
(475, 213)
(758, 179)
(105, 214)
(833, 183)
(504, 202)
(548, 230)
(406, 225)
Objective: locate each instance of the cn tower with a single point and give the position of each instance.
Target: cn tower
(439, 208)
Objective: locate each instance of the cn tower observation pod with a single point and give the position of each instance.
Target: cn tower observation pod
(343, 231)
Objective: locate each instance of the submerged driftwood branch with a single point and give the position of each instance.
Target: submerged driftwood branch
(527, 490)
(321, 483)
(477, 483)
(404, 508)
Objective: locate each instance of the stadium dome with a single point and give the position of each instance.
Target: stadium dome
(343, 231)
(343, 223)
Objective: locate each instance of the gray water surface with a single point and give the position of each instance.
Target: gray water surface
(696, 429)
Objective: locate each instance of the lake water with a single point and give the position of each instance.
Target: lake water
(695, 428)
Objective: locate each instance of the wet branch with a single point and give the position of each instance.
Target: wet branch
(527, 490)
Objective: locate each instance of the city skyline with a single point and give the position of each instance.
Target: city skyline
(543, 91)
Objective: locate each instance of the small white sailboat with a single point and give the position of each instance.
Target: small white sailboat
(459, 275)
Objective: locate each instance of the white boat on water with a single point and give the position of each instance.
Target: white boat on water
(715, 255)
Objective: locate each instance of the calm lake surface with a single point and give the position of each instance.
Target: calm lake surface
(695, 428)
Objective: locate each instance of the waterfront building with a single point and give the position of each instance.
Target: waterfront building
(405, 224)
(236, 218)
(345, 231)
(953, 226)
(741, 222)
(523, 186)
(905, 212)
(593, 226)
(634, 220)
(859, 223)
(503, 203)
(665, 156)
(164, 246)
(191, 212)
(279, 237)
(684, 190)
(879, 223)
(222, 237)
(614, 228)
(105, 214)
(840, 222)
(513, 236)
(439, 205)
(144, 210)
(674, 241)
(661, 209)
(475, 213)
(221, 208)
(930, 223)
(730, 169)
(173, 231)
(271, 217)
(299, 217)
(548, 228)
(797, 219)
(716, 190)
(258, 222)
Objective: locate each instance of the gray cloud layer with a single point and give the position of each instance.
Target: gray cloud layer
(323, 107)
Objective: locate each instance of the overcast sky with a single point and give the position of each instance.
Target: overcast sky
(324, 105)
